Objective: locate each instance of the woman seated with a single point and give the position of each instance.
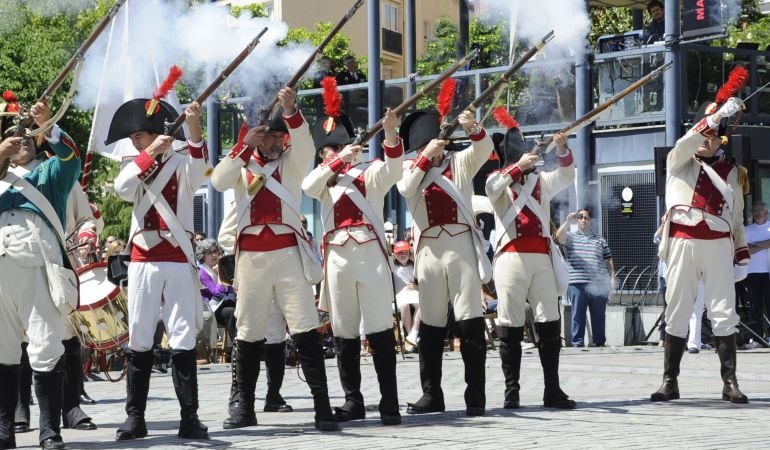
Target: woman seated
(218, 298)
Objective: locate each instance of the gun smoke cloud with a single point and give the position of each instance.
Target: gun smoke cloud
(147, 37)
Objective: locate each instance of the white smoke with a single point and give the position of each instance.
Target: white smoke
(731, 9)
(567, 18)
(149, 36)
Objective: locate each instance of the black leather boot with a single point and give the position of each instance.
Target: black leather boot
(138, 371)
(248, 356)
(510, 358)
(235, 395)
(349, 365)
(431, 352)
(275, 366)
(383, 345)
(48, 390)
(310, 353)
(184, 372)
(549, 349)
(726, 346)
(9, 380)
(71, 414)
(672, 358)
(21, 420)
(473, 348)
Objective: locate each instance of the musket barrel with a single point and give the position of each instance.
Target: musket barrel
(450, 127)
(294, 80)
(100, 26)
(591, 115)
(374, 129)
(174, 127)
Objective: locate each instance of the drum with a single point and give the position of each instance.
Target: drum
(101, 321)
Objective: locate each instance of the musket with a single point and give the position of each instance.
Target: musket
(547, 144)
(74, 61)
(172, 128)
(292, 83)
(374, 129)
(448, 128)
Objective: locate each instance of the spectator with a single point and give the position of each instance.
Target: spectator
(219, 298)
(758, 280)
(324, 70)
(351, 74)
(199, 237)
(592, 275)
(657, 27)
(407, 296)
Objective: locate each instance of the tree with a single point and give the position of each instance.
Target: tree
(337, 49)
(609, 21)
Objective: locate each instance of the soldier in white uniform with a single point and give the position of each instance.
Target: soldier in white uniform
(450, 255)
(702, 237)
(26, 304)
(162, 275)
(274, 261)
(521, 198)
(358, 279)
(84, 224)
(275, 336)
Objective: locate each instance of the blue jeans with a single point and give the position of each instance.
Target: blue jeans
(583, 297)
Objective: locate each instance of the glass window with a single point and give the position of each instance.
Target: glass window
(390, 17)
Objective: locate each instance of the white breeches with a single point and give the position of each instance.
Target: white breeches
(276, 326)
(166, 291)
(694, 340)
(266, 278)
(446, 270)
(25, 302)
(692, 260)
(360, 287)
(525, 276)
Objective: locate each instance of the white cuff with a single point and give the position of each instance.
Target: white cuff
(55, 135)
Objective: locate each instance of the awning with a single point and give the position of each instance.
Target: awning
(638, 4)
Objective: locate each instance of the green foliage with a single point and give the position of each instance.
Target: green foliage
(32, 54)
(256, 10)
(337, 49)
(609, 21)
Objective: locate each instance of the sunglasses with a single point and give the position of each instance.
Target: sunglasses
(583, 216)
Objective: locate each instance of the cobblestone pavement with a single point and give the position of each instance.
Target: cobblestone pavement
(611, 385)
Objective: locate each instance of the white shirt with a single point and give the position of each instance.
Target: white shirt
(759, 262)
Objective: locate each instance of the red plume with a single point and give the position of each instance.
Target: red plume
(504, 118)
(12, 100)
(445, 96)
(735, 82)
(332, 98)
(174, 74)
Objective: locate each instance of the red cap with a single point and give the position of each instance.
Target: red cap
(401, 246)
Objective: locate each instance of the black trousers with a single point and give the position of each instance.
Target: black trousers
(759, 289)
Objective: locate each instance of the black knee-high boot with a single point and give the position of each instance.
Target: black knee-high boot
(349, 365)
(431, 351)
(235, 394)
(184, 373)
(9, 381)
(672, 358)
(726, 347)
(248, 356)
(510, 358)
(21, 421)
(383, 345)
(550, 346)
(138, 371)
(473, 347)
(311, 360)
(48, 390)
(275, 366)
(72, 415)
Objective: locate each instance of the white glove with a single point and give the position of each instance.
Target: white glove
(732, 106)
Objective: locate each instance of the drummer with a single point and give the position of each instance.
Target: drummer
(407, 295)
(84, 223)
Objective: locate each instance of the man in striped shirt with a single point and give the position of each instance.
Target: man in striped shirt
(591, 275)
